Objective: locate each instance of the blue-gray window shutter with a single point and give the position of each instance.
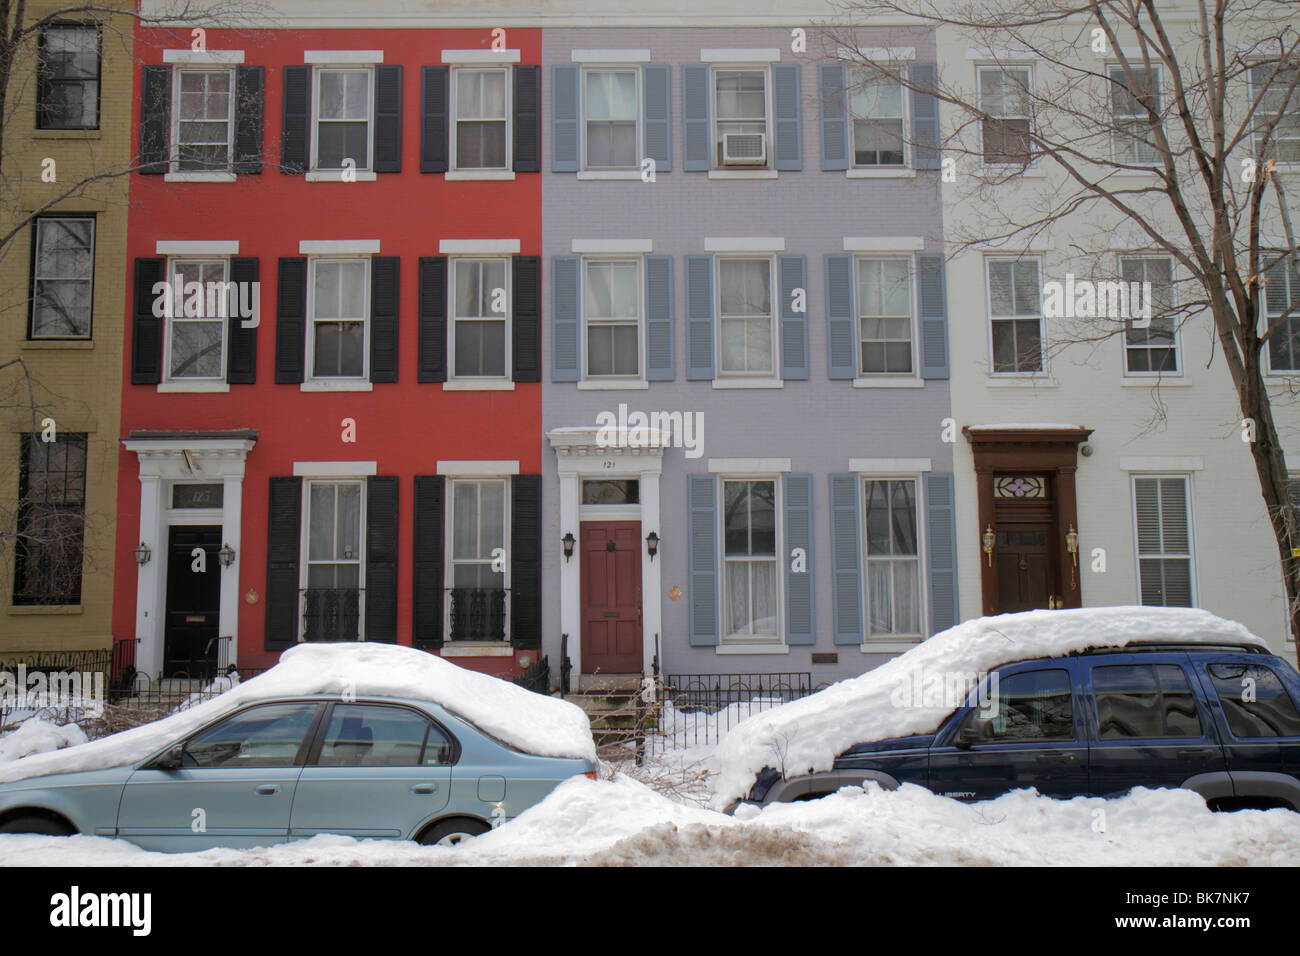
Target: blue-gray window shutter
(846, 561)
(564, 119)
(659, 318)
(793, 272)
(388, 119)
(785, 114)
(934, 315)
(565, 304)
(941, 548)
(925, 116)
(702, 505)
(841, 342)
(657, 135)
(835, 127)
(696, 139)
(699, 318)
(155, 119)
(382, 493)
(798, 584)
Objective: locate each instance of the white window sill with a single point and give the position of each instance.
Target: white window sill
(466, 175)
(889, 647)
(1020, 381)
(69, 343)
(748, 383)
(888, 383)
(742, 174)
(769, 648)
(469, 385)
(193, 387)
(196, 177)
(1008, 169)
(336, 176)
(350, 385)
(595, 385)
(866, 173)
(595, 174)
(477, 649)
(1134, 381)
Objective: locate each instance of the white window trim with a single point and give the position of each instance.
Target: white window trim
(905, 103)
(748, 379)
(478, 468)
(899, 379)
(1109, 65)
(362, 173)
(750, 644)
(480, 381)
(615, 381)
(338, 247)
(204, 57)
(329, 58)
(739, 468)
(745, 244)
(304, 544)
(1006, 63)
(884, 244)
(1162, 463)
(33, 275)
(1285, 374)
(449, 564)
(922, 559)
(611, 57)
(612, 247)
(877, 53)
(335, 469)
(508, 163)
(762, 65)
(196, 249)
(480, 57)
(890, 467)
(744, 56)
(468, 175)
(1191, 536)
(197, 176)
(639, 121)
(174, 121)
(313, 382)
(1043, 371)
(478, 247)
(1146, 378)
(215, 383)
(1261, 58)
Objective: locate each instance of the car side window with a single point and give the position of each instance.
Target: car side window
(1254, 701)
(1142, 701)
(368, 735)
(269, 735)
(1029, 706)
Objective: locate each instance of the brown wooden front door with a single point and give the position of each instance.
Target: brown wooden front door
(1026, 578)
(611, 597)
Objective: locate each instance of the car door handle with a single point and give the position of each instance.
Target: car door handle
(1055, 758)
(267, 789)
(1194, 753)
(424, 788)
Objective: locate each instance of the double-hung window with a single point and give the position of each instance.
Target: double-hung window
(1282, 305)
(746, 319)
(343, 129)
(876, 108)
(478, 571)
(1277, 102)
(479, 132)
(203, 129)
(196, 327)
(750, 579)
(63, 271)
(893, 562)
(885, 324)
(611, 304)
(610, 128)
(480, 308)
(1162, 510)
(1015, 314)
(742, 118)
(67, 76)
(334, 565)
(51, 520)
(1132, 136)
(1005, 102)
(1150, 349)
(340, 308)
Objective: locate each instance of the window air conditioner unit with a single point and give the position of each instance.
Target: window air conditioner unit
(744, 149)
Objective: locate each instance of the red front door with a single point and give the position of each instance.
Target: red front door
(611, 597)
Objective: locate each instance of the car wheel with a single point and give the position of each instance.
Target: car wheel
(453, 832)
(41, 826)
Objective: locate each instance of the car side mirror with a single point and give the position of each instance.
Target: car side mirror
(974, 731)
(170, 759)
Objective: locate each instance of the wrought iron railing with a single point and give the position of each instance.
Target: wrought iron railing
(537, 678)
(477, 614)
(699, 709)
(331, 614)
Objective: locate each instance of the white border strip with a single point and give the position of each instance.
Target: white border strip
(612, 245)
(204, 57)
(748, 466)
(1162, 463)
(480, 56)
(877, 54)
(471, 468)
(745, 244)
(883, 243)
(329, 57)
(478, 246)
(1002, 56)
(610, 56)
(751, 55)
(202, 247)
(345, 247)
(889, 466)
(335, 469)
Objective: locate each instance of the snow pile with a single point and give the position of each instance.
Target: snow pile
(546, 726)
(808, 734)
(35, 736)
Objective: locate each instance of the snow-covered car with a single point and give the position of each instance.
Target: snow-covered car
(1090, 702)
(364, 740)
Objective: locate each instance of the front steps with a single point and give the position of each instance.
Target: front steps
(612, 704)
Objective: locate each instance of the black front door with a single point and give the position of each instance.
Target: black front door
(193, 602)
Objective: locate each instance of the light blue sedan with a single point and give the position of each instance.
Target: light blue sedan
(288, 769)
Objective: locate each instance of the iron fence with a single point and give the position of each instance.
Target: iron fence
(536, 678)
(696, 710)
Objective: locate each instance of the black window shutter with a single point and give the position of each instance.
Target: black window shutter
(433, 319)
(282, 556)
(388, 119)
(381, 558)
(526, 328)
(155, 119)
(250, 82)
(241, 351)
(427, 596)
(528, 119)
(435, 139)
(384, 312)
(146, 328)
(297, 119)
(526, 560)
(291, 321)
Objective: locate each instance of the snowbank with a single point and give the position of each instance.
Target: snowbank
(531, 722)
(36, 736)
(807, 734)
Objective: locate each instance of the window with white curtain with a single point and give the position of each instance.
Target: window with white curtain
(477, 569)
(611, 304)
(885, 316)
(334, 567)
(204, 109)
(745, 317)
(196, 335)
(749, 562)
(610, 110)
(876, 107)
(343, 106)
(339, 309)
(479, 129)
(893, 558)
(479, 310)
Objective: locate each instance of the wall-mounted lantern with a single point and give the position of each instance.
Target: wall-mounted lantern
(142, 554)
(652, 545)
(989, 539)
(568, 541)
(227, 555)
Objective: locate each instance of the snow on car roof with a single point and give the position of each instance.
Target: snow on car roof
(533, 723)
(808, 734)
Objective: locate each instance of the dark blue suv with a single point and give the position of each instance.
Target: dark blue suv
(1219, 720)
